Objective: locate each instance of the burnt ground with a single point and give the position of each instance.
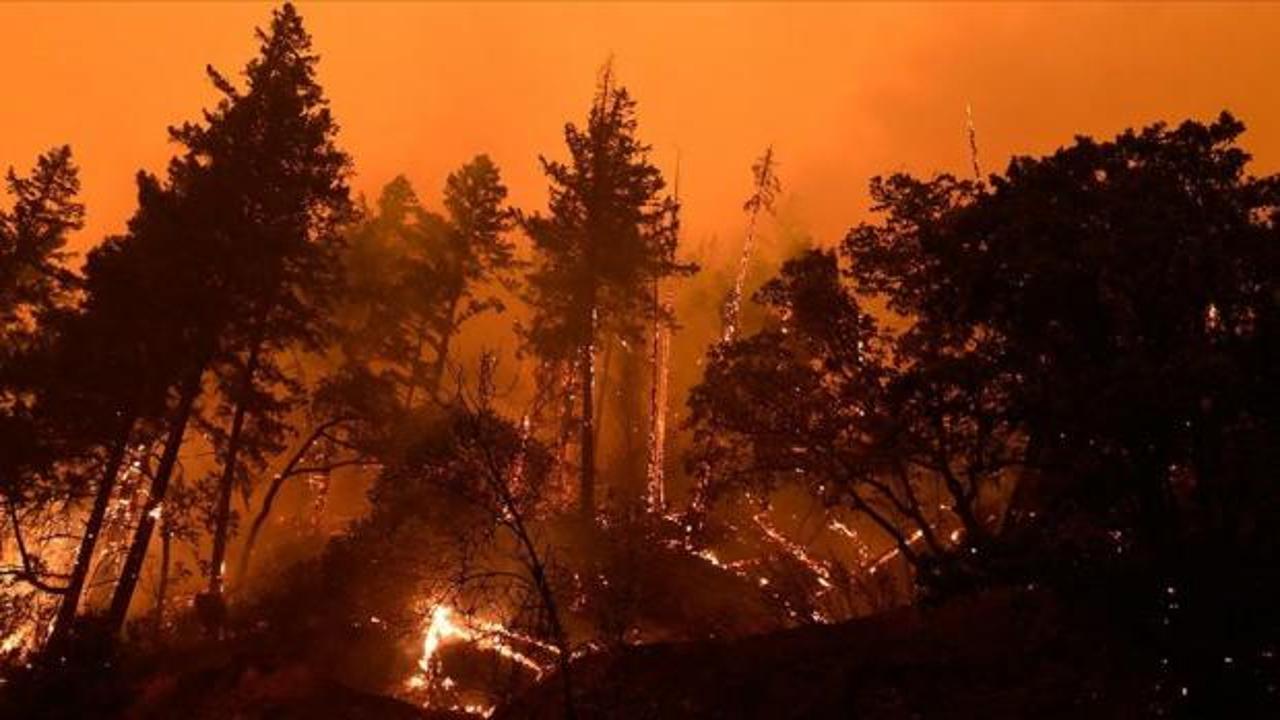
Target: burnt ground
(996, 656)
(1007, 654)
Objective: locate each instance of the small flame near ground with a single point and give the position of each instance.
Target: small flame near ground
(446, 626)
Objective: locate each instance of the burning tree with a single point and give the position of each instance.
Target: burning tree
(819, 400)
(603, 242)
(764, 190)
(255, 202)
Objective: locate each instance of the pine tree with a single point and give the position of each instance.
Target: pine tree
(270, 153)
(33, 283)
(33, 276)
(602, 243)
(413, 278)
(159, 280)
(262, 191)
(472, 251)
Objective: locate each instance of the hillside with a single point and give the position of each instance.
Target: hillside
(990, 657)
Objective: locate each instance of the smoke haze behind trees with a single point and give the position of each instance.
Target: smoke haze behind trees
(845, 92)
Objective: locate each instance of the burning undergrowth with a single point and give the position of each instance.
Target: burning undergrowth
(468, 582)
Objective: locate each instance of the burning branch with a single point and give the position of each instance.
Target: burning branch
(765, 190)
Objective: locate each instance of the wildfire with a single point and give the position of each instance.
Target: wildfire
(18, 639)
(764, 191)
(656, 491)
(447, 626)
(891, 554)
(819, 569)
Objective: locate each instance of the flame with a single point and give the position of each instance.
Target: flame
(891, 554)
(447, 626)
(819, 569)
(17, 640)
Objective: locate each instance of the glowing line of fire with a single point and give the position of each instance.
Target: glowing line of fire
(819, 569)
(484, 634)
(766, 186)
(734, 308)
(660, 362)
(895, 552)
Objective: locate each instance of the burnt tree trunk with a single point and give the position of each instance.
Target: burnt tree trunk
(66, 617)
(226, 483)
(132, 569)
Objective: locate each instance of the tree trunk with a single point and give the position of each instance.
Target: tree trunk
(88, 543)
(442, 349)
(587, 472)
(274, 489)
(226, 483)
(162, 587)
(132, 569)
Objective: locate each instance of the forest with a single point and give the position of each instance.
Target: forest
(282, 450)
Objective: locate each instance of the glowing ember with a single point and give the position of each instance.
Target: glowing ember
(16, 640)
(972, 131)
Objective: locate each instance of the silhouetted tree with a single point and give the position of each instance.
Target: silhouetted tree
(599, 248)
(262, 188)
(417, 277)
(159, 280)
(34, 282)
(33, 233)
(413, 278)
(1096, 327)
(104, 371)
(271, 155)
(820, 399)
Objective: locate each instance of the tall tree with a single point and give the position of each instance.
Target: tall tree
(163, 275)
(472, 250)
(417, 277)
(270, 153)
(262, 189)
(33, 282)
(602, 243)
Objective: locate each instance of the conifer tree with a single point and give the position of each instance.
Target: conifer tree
(602, 242)
(262, 190)
(271, 154)
(33, 233)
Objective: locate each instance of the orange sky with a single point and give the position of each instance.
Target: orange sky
(843, 91)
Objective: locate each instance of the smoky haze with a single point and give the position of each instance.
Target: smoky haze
(843, 91)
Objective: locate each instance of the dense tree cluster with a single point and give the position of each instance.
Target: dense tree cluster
(1074, 384)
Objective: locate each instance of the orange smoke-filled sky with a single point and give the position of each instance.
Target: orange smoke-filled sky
(842, 91)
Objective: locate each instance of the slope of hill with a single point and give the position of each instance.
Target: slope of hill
(1005, 655)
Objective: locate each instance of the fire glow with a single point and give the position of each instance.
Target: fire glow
(446, 626)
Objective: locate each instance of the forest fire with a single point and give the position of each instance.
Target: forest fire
(520, 410)
(765, 188)
(445, 627)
